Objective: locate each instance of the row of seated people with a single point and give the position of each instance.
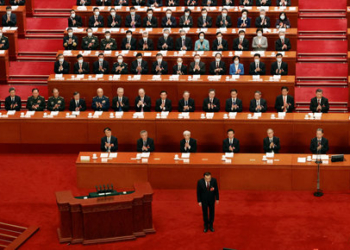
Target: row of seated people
(160, 67)
(283, 103)
(14, 2)
(186, 21)
(9, 19)
(271, 143)
(159, 3)
(182, 43)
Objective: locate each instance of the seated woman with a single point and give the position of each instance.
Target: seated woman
(201, 44)
(236, 68)
(282, 21)
(260, 41)
(244, 20)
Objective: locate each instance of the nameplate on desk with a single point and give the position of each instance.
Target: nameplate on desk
(113, 155)
(322, 157)
(270, 155)
(145, 154)
(104, 155)
(266, 8)
(185, 155)
(84, 158)
(76, 113)
(301, 159)
(256, 77)
(229, 155)
(98, 113)
(30, 113)
(144, 160)
(11, 112)
(54, 113)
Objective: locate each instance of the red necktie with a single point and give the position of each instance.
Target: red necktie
(208, 185)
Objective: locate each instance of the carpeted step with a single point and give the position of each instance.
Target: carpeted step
(331, 47)
(322, 27)
(322, 5)
(39, 46)
(53, 24)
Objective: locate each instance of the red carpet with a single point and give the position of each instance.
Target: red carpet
(47, 23)
(31, 68)
(322, 25)
(244, 220)
(64, 4)
(39, 45)
(334, 94)
(322, 4)
(322, 46)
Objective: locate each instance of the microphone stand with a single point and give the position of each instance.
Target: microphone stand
(318, 161)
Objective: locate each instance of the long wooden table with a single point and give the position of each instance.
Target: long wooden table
(12, 35)
(246, 58)
(4, 66)
(244, 172)
(20, 12)
(61, 134)
(234, 12)
(210, 34)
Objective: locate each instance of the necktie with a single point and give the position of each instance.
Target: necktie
(240, 41)
(13, 99)
(217, 65)
(284, 103)
(257, 103)
(208, 185)
(142, 105)
(144, 143)
(257, 65)
(139, 71)
(186, 103)
(319, 103)
(120, 101)
(282, 40)
(279, 65)
(231, 141)
(132, 18)
(77, 103)
(183, 42)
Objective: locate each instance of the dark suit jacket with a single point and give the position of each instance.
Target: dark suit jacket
(276, 141)
(116, 3)
(172, 20)
(85, 67)
(100, 2)
(182, 22)
(284, 67)
(247, 22)
(21, 3)
(258, 21)
(125, 102)
(228, 19)
(245, 44)
(196, 72)
(117, 19)
(228, 105)
(258, 3)
(193, 145)
(324, 105)
(228, 3)
(314, 145)
(154, 22)
(137, 21)
(65, 67)
(149, 43)
(191, 2)
(105, 66)
(279, 1)
(279, 103)
(12, 22)
(183, 69)
(169, 41)
(139, 3)
(207, 197)
(163, 65)
(208, 21)
(278, 44)
(252, 105)
(212, 67)
(188, 43)
(149, 145)
(190, 105)
(252, 68)
(146, 101)
(123, 71)
(226, 145)
(213, 3)
(144, 66)
(99, 19)
(17, 101)
(249, 4)
(78, 21)
(114, 141)
(216, 102)
(73, 106)
(176, 3)
(132, 43)
(215, 45)
(87, 3)
(70, 46)
(168, 106)
(150, 2)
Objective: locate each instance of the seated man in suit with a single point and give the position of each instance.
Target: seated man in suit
(279, 67)
(150, 21)
(219, 44)
(142, 102)
(101, 66)
(319, 103)
(100, 102)
(197, 67)
(145, 43)
(83, 2)
(186, 104)
(188, 144)
(74, 20)
(120, 67)
(258, 104)
(246, 2)
(191, 2)
(120, 102)
(128, 42)
(139, 66)
(241, 43)
(145, 144)
(81, 67)
(186, 21)
(36, 102)
(284, 102)
(257, 67)
(61, 66)
(204, 21)
(108, 43)
(165, 42)
(109, 143)
(18, 2)
(89, 42)
(263, 2)
(262, 21)
(55, 102)
(228, 2)
(179, 68)
(13, 101)
(163, 103)
(133, 20)
(319, 144)
(160, 67)
(271, 143)
(218, 67)
(283, 43)
(70, 42)
(138, 2)
(169, 21)
(209, 3)
(121, 3)
(211, 103)
(114, 20)
(9, 19)
(103, 2)
(283, 2)
(230, 144)
(236, 68)
(223, 20)
(77, 104)
(234, 104)
(244, 20)
(183, 43)
(172, 2)
(96, 20)
(155, 3)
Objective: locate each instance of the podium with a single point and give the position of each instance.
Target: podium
(106, 218)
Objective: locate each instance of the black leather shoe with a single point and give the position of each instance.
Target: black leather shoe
(211, 229)
(205, 230)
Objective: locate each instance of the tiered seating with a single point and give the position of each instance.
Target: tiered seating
(13, 236)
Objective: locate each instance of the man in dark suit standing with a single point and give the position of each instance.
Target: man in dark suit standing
(101, 66)
(279, 67)
(258, 104)
(271, 142)
(319, 144)
(197, 67)
(120, 102)
(74, 20)
(283, 43)
(207, 195)
(163, 103)
(186, 104)
(9, 19)
(150, 21)
(234, 104)
(81, 67)
(145, 43)
(165, 42)
(13, 101)
(230, 144)
(241, 43)
(217, 67)
(128, 42)
(109, 143)
(142, 102)
(160, 67)
(257, 67)
(188, 144)
(183, 43)
(139, 66)
(96, 20)
(145, 144)
(319, 103)
(211, 103)
(219, 44)
(284, 102)
(179, 68)
(77, 104)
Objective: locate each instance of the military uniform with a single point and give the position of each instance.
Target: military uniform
(104, 100)
(111, 41)
(124, 69)
(39, 102)
(53, 101)
(73, 45)
(5, 42)
(87, 40)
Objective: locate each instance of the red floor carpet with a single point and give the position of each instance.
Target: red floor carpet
(39, 45)
(47, 23)
(244, 220)
(63, 4)
(31, 68)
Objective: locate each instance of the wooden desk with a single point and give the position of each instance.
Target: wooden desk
(234, 13)
(61, 134)
(245, 172)
(12, 35)
(4, 66)
(210, 34)
(29, 7)
(20, 12)
(247, 57)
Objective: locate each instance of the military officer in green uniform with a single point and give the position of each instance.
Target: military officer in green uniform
(108, 43)
(4, 42)
(36, 102)
(55, 102)
(90, 42)
(100, 102)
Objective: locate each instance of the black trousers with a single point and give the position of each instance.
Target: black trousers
(208, 218)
